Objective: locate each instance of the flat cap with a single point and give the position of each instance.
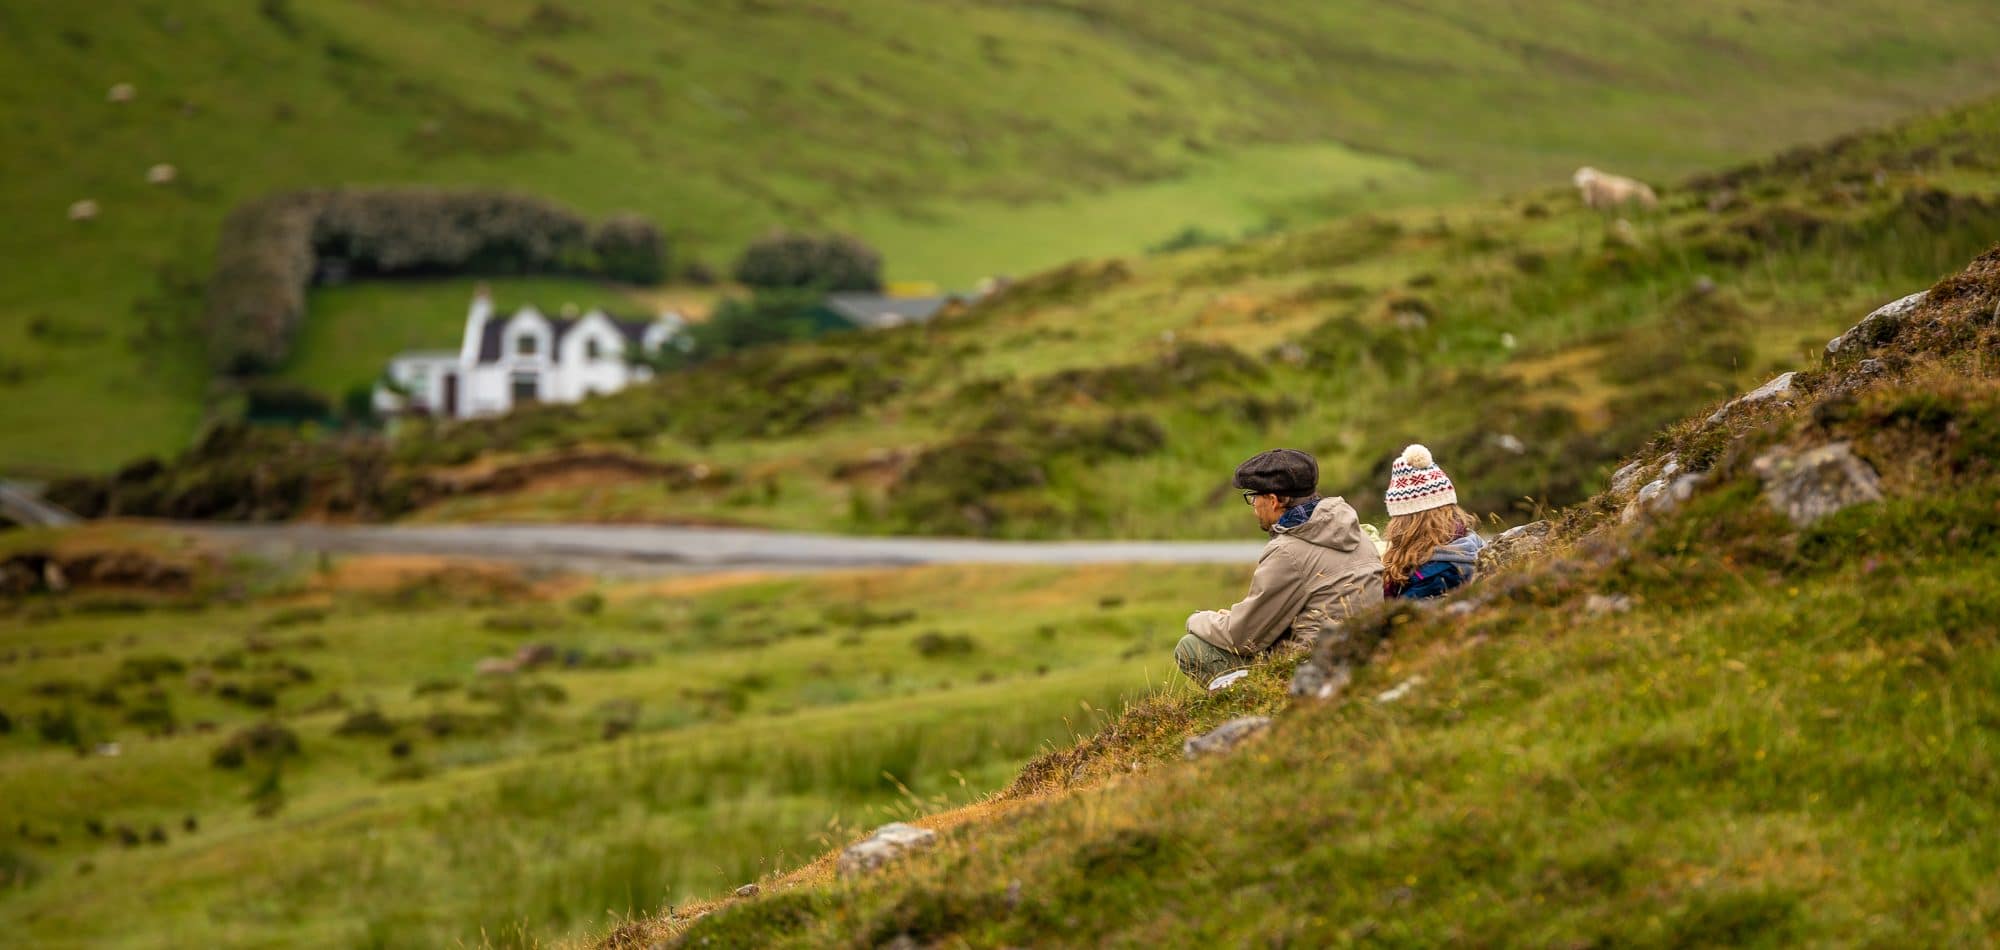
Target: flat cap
(1287, 472)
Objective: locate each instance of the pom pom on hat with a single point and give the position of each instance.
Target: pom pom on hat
(1417, 484)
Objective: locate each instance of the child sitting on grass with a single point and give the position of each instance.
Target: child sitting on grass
(1432, 545)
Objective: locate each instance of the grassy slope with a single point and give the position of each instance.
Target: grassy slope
(766, 718)
(903, 118)
(1788, 739)
(1610, 341)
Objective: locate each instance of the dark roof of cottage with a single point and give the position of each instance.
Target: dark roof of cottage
(868, 310)
(492, 345)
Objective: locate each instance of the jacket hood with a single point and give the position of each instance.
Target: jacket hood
(1333, 525)
(1464, 550)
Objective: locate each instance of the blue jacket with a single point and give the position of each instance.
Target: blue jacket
(1452, 565)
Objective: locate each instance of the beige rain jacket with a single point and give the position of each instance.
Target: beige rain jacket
(1309, 575)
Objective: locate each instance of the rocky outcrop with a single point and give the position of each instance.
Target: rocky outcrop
(1876, 328)
(889, 843)
(1225, 737)
(1779, 390)
(1808, 485)
(1514, 545)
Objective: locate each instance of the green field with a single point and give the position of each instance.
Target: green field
(965, 139)
(1782, 735)
(690, 737)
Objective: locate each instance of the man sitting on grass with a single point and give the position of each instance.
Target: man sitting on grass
(1318, 569)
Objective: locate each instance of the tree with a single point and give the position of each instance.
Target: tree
(795, 260)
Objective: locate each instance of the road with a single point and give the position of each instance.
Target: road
(648, 549)
(23, 503)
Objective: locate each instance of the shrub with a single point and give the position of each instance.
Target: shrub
(145, 669)
(271, 400)
(791, 259)
(934, 644)
(767, 316)
(265, 741)
(156, 718)
(393, 232)
(631, 248)
(256, 294)
(366, 722)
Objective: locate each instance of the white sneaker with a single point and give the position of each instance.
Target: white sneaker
(1226, 680)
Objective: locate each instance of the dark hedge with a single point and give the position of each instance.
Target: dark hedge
(271, 249)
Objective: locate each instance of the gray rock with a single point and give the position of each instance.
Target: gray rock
(1877, 328)
(1607, 604)
(1225, 737)
(1627, 478)
(1313, 681)
(888, 843)
(1777, 390)
(1514, 545)
(1643, 501)
(1660, 495)
(748, 890)
(1807, 486)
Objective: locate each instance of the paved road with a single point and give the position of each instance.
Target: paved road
(655, 549)
(23, 503)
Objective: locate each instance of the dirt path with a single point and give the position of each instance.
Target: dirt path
(645, 549)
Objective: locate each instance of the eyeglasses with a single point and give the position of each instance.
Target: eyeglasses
(1250, 497)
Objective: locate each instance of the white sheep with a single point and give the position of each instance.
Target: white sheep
(162, 174)
(122, 92)
(83, 210)
(1602, 191)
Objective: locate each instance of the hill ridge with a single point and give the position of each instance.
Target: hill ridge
(1911, 393)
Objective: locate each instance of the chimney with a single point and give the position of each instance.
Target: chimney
(475, 325)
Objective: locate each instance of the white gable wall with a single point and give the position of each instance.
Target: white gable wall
(486, 389)
(579, 376)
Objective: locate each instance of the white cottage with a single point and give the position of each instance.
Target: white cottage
(525, 358)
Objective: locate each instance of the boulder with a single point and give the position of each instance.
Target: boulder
(1877, 328)
(748, 890)
(889, 843)
(1225, 737)
(1513, 546)
(1779, 390)
(1313, 681)
(1806, 486)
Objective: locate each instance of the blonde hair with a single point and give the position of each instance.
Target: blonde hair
(1413, 539)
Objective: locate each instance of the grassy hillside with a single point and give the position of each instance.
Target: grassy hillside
(1713, 727)
(1531, 342)
(686, 737)
(965, 138)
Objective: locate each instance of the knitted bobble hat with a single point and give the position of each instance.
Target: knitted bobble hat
(1417, 484)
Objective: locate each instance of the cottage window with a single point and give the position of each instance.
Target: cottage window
(526, 344)
(591, 350)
